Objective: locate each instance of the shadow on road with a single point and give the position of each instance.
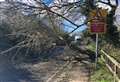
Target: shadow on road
(8, 72)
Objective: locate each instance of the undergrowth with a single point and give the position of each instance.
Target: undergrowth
(101, 74)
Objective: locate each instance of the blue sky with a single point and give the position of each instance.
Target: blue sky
(47, 1)
(68, 27)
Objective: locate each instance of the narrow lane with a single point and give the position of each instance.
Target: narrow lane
(41, 71)
(8, 72)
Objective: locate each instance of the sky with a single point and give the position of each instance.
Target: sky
(68, 26)
(2, 0)
(47, 1)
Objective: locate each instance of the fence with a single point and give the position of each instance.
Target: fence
(112, 65)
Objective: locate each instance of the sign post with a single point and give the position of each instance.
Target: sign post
(96, 53)
(97, 26)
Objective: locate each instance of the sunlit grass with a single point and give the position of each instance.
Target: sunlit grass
(112, 51)
(101, 74)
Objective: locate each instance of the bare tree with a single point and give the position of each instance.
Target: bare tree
(59, 9)
(56, 12)
(28, 33)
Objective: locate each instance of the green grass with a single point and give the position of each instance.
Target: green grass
(101, 74)
(91, 47)
(114, 52)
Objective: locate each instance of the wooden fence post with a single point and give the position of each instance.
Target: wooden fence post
(113, 69)
(115, 72)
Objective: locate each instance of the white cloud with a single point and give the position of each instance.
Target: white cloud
(117, 16)
(2, 0)
(104, 6)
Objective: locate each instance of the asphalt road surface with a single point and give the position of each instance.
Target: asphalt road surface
(8, 72)
(11, 73)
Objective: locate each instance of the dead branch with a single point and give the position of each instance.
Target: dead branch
(12, 48)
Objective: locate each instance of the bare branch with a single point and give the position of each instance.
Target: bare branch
(78, 27)
(107, 3)
(117, 3)
(12, 48)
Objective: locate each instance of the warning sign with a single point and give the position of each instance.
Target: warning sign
(98, 26)
(98, 21)
(101, 12)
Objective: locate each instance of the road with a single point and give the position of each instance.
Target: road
(40, 71)
(8, 72)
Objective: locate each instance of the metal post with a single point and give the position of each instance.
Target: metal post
(96, 55)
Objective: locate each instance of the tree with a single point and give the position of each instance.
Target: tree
(60, 10)
(27, 32)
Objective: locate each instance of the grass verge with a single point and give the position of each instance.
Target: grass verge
(102, 73)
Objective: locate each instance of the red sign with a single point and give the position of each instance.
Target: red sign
(98, 26)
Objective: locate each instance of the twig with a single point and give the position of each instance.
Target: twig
(106, 3)
(13, 57)
(10, 49)
(51, 77)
